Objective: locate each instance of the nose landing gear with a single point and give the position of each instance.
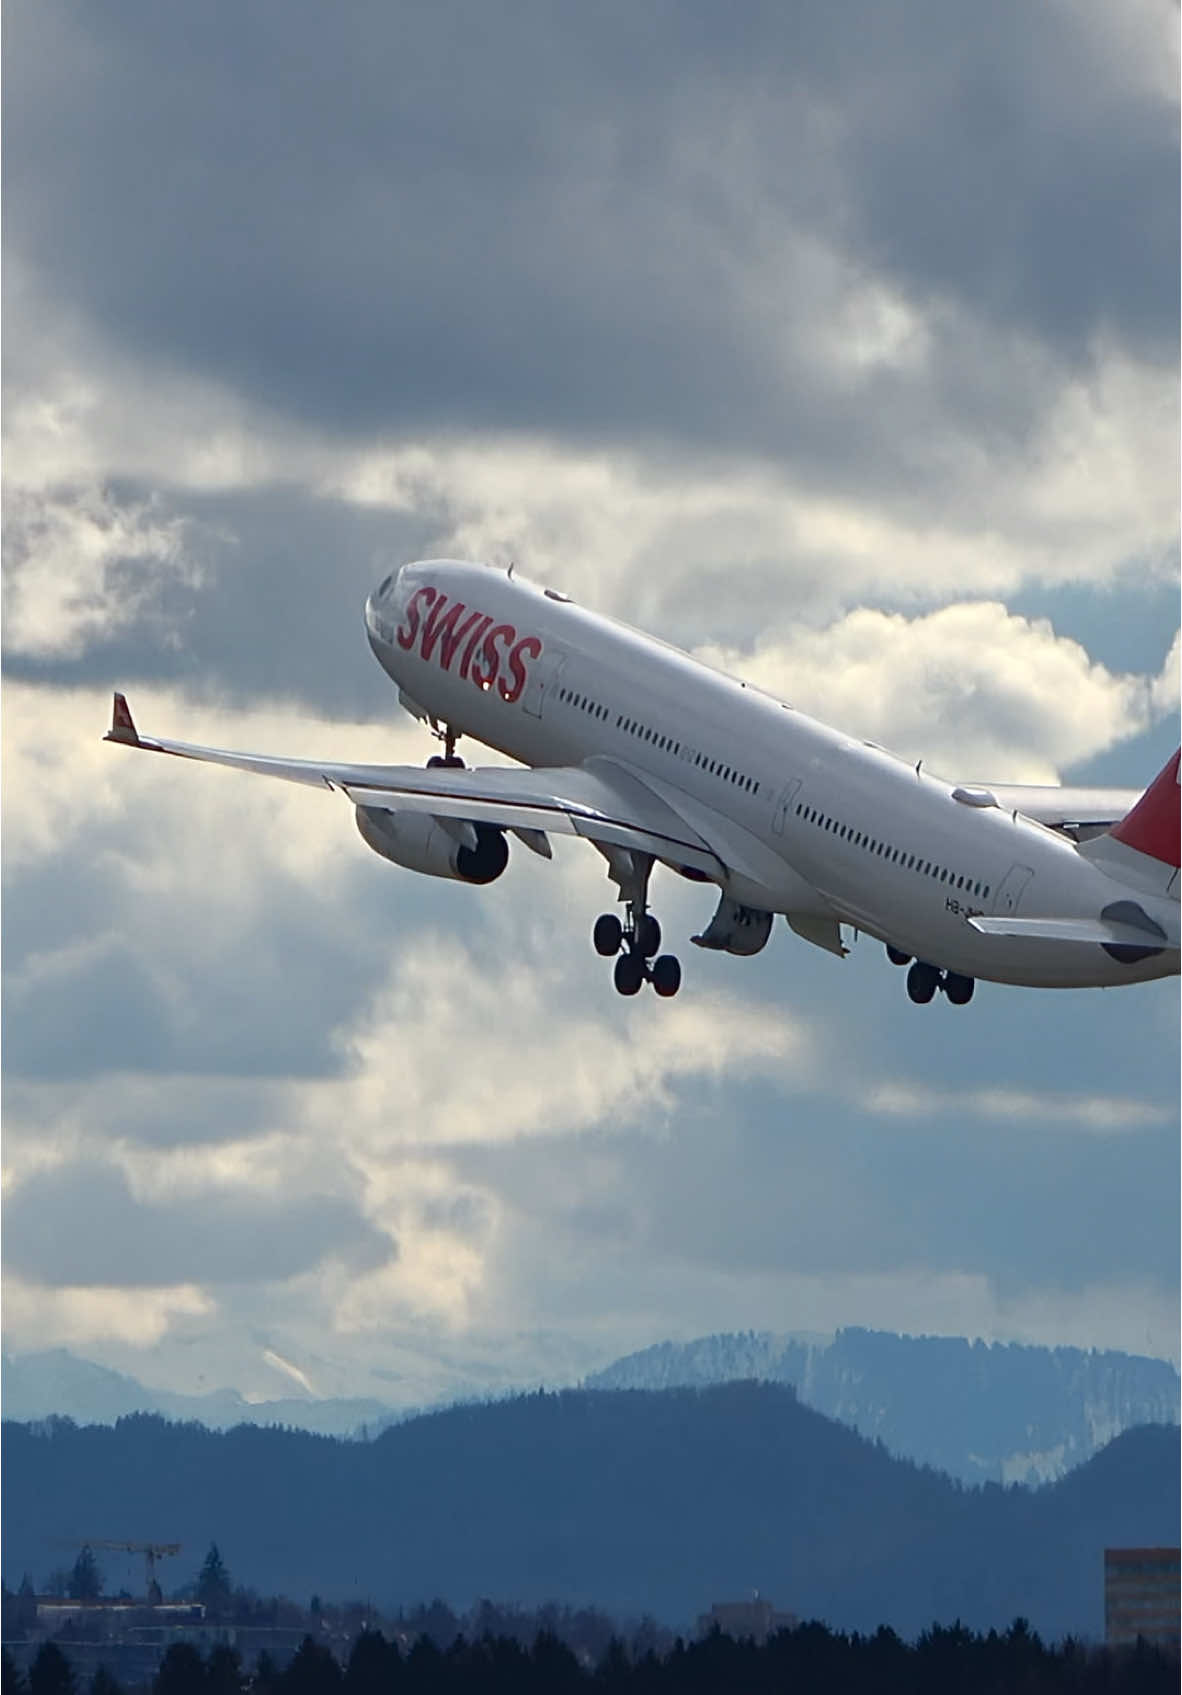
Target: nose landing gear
(636, 942)
(449, 760)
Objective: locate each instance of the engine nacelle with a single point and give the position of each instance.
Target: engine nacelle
(419, 842)
(743, 930)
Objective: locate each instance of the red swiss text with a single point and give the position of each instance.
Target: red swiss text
(459, 638)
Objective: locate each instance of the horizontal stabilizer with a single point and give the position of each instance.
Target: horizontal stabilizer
(1102, 932)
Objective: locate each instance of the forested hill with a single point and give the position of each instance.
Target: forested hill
(631, 1500)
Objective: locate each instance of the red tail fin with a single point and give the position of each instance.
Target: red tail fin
(1153, 826)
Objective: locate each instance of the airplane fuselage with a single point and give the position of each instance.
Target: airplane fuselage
(819, 825)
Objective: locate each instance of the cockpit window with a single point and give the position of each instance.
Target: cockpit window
(385, 588)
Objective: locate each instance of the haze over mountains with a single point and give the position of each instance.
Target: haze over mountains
(658, 1501)
(1000, 1412)
(56, 1383)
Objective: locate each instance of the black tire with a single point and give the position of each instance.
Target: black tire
(629, 974)
(452, 762)
(436, 762)
(665, 975)
(959, 989)
(922, 982)
(897, 956)
(607, 935)
(648, 936)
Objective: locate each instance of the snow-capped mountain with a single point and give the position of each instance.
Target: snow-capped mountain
(1000, 1412)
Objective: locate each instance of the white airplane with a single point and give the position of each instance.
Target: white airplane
(658, 759)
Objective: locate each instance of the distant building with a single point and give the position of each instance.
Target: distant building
(52, 1612)
(755, 1618)
(1141, 1596)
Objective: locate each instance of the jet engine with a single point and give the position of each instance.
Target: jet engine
(468, 853)
(742, 930)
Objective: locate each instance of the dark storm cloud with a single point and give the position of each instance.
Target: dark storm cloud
(564, 217)
(983, 165)
(83, 1225)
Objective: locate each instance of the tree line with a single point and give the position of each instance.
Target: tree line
(808, 1660)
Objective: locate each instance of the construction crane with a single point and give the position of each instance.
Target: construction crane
(152, 1551)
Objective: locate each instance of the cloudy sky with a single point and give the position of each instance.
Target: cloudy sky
(838, 343)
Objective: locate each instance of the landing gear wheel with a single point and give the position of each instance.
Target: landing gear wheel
(647, 940)
(436, 762)
(959, 989)
(897, 956)
(665, 975)
(607, 935)
(922, 982)
(629, 974)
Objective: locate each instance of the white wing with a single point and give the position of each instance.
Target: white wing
(605, 804)
(1078, 812)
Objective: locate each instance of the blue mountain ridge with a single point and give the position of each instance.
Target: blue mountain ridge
(630, 1500)
(1000, 1412)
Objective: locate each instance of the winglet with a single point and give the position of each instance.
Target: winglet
(122, 724)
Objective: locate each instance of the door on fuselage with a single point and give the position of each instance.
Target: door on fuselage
(1010, 890)
(542, 678)
(783, 803)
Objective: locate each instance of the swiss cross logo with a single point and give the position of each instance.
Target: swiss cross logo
(461, 639)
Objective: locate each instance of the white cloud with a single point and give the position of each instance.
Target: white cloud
(173, 819)
(80, 564)
(1165, 687)
(694, 541)
(524, 1070)
(1100, 1115)
(973, 689)
(35, 1316)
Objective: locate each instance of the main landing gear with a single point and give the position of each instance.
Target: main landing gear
(449, 760)
(923, 980)
(635, 943)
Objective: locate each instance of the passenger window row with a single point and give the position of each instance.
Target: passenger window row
(715, 767)
(726, 772)
(908, 861)
(582, 701)
(646, 734)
